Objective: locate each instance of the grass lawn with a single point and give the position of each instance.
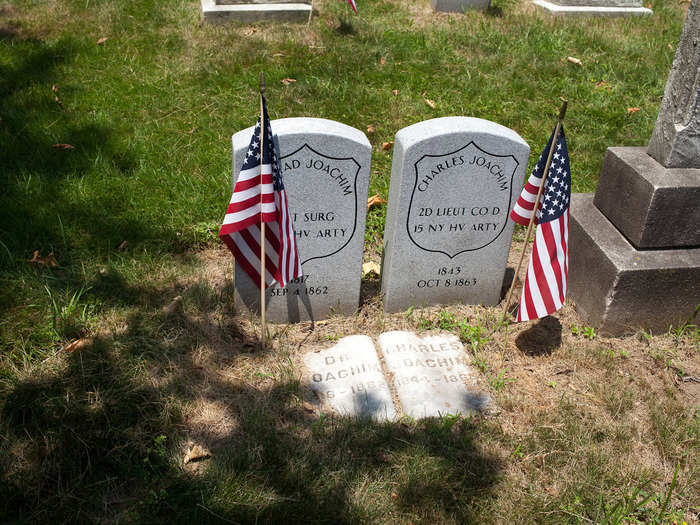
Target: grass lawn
(115, 155)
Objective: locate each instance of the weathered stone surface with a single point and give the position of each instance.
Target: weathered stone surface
(255, 12)
(431, 375)
(447, 234)
(458, 6)
(348, 379)
(593, 8)
(652, 206)
(619, 289)
(675, 142)
(599, 3)
(325, 166)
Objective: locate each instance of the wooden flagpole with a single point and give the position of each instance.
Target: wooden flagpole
(262, 223)
(562, 113)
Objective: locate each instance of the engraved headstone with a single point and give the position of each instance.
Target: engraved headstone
(325, 166)
(447, 234)
(431, 375)
(348, 379)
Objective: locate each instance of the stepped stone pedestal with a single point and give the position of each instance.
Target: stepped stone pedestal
(635, 246)
(258, 11)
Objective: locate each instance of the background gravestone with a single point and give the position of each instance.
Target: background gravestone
(458, 6)
(255, 10)
(325, 166)
(641, 230)
(594, 7)
(447, 234)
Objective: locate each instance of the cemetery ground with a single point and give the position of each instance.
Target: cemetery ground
(131, 392)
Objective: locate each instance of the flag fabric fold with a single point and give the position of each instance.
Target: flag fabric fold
(259, 196)
(545, 283)
(353, 5)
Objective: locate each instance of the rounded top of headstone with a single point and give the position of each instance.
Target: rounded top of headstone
(311, 126)
(420, 131)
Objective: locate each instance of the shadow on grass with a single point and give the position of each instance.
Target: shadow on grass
(98, 437)
(541, 338)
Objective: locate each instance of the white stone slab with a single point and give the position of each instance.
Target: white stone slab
(447, 234)
(325, 166)
(590, 10)
(249, 13)
(431, 375)
(348, 379)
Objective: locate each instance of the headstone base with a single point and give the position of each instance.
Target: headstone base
(587, 10)
(619, 289)
(458, 6)
(249, 13)
(660, 204)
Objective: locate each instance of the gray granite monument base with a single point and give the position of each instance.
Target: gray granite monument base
(458, 6)
(249, 13)
(661, 205)
(619, 289)
(590, 10)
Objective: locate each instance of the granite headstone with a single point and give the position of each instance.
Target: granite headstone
(447, 234)
(348, 379)
(325, 166)
(431, 375)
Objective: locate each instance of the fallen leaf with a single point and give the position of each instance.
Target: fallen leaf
(370, 267)
(54, 88)
(574, 60)
(632, 110)
(122, 246)
(308, 407)
(287, 81)
(602, 84)
(279, 55)
(63, 146)
(250, 31)
(374, 200)
(196, 453)
(386, 146)
(395, 92)
(370, 129)
(393, 495)
(174, 306)
(47, 262)
(102, 40)
(77, 344)
(430, 103)
(382, 61)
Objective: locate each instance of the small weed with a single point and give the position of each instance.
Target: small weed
(473, 334)
(585, 331)
(446, 320)
(499, 382)
(69, 318)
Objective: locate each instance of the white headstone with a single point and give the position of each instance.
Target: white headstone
(325, 166)
(348, 379)
(431, 375)
(454, 181)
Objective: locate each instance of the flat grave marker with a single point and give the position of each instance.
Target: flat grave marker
(348, 379)
(325, 166)
(454, 181)
(431, 375)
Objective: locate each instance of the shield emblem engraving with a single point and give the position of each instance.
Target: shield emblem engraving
(322, 194)
(460, 200)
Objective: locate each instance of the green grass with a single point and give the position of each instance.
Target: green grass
(97, 434)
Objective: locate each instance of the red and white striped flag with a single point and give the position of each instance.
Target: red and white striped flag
(353, 5)
(259, 196)
(545, 283)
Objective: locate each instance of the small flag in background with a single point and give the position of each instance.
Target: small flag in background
(240, 231)
(545, 283)
(353, 5)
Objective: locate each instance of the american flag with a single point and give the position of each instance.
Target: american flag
(545, 283)
(353, 5)
(259, 196)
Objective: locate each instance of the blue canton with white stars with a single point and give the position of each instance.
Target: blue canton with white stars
(252, 156)
(557, 188)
